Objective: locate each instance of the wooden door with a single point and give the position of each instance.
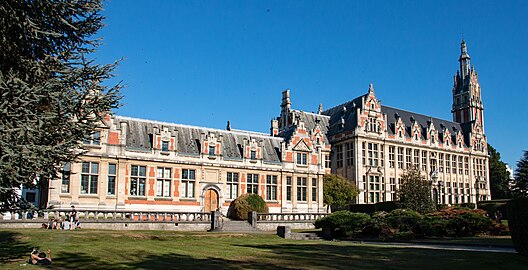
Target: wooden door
(210, 201)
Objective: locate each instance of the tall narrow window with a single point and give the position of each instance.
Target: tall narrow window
(364, 153)
(138, 176)
(466, 165)
(339, 155)
(400, 157)
(453, 164)
(408, 158)
(349, 154)
(301, 189)
(165, 146)
(374, 188)
(327, 161)
(373, 154)
(112, 174)
(252, 183)
(391, 156)
(314, 189)
(164, 182)
(253, 155)
(232, 185)
(424, 161)
(66, 173)
(188, 183)
(211, 150)
(288, 188)
(441, 162)
(89, 177)
(271, 187)
(302, 158)
(432, 162)
(416, 159)
(460, 166)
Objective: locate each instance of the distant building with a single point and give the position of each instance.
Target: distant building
(137, 164)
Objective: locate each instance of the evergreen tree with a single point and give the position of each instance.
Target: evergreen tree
(338, 191)
(414, 192)
(51, 91)
(521, 177)
(499, 176)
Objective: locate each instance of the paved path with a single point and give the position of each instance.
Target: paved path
(442, 246)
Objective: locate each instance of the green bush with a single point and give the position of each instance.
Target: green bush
(469, 223)
(436, 226)
(344, 224)
(518, 223)
(494, 206)
(241, 206)
(404, 220)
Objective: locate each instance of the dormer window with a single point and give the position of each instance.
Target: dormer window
(372, 105)
(253, 155)
(165, 146)
(432, 138)
(372, 125)
(93, 139)
(302, 158)
(211, 150)
(416, 136)
(400, 134)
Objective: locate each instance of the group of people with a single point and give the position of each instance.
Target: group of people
(69, 222)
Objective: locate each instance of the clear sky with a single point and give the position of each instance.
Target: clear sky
(205, 62)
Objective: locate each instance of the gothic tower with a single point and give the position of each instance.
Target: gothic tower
(467, 100)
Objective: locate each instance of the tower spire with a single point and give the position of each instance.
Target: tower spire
(464, 60)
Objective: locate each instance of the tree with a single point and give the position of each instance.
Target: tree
(499, 176)
(52, 92)
(338, 191)
(414, 192)
(520, 188)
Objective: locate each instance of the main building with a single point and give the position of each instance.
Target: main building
(136, 164)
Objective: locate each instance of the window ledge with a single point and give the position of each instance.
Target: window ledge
(188, 200)
(88, 196)
(253, 160)
(163, 198)
(133, 197)
(271, 201)
(165, 153)
(211, 157)
(92, 146)
(302, 165)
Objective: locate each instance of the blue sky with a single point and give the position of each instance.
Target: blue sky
(205, 62)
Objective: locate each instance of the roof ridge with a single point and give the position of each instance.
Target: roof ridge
(452, 122)
(343, 103)
(312, 113)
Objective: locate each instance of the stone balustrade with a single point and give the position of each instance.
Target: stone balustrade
(293, 217)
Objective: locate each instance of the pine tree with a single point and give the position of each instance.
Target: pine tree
(521, 177)
(499, 176)
(414, 192)
(52, 92)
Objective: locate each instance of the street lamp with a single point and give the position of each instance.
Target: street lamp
(435, 186)
(441, 188)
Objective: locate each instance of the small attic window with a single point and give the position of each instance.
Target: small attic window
(165, 146)
(372, 105)
(400, 134)
(253, 155)
(432, 138)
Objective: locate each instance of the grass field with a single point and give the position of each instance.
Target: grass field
(84, 249)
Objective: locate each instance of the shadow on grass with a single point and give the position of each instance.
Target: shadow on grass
(11, 248)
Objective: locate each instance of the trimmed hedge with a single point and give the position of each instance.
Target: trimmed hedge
(518, 223)
(249, 202)
(344, 224)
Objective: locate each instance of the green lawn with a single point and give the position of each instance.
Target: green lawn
(88, 249)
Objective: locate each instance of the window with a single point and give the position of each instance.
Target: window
(188, 182)
(408, 158)
(372, 125)
(448, 163)
(31, 197)
(165, 146)
(112, 173)
(373, 154)
(441, 162)
(432, 162)
(349, 154)
(374, 188)
(301, 158)
(327, 161)
(364, 153)
(301, 189)
(460, 166)
(391, 156)
(211, 150)
(400, 157)
(314, 189)
(339, 155)
(138, 176)
(93, 139)
(416, 159)
(89, 177)
(271, 187)
(163, 182)
(66, 173)
(253, 155)
(232, 185)
(288, 188)
(466, 165)
(424, 161)
(252, 183)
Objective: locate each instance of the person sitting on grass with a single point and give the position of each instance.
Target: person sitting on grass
(39, 258)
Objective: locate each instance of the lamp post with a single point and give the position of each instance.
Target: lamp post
(441, 188)
(477, 189)
(434, 184)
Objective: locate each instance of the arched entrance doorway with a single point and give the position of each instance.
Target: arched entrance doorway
(210, 200)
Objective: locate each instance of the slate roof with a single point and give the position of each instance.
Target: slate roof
(349, 116)
(140, 134)
(309, 120)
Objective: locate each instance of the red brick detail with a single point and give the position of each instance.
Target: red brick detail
(176, 192)
(262, 185)
(226, 204)
(258, 153)
(127, 179)
(248, 151)
(205, 150)
(153, 202)
(151, 182)
(217, 149)
(273, 204)
(158, 144)
(301, 131)
(171, 144)
(113, 137)
(289, 157)
(314, 159)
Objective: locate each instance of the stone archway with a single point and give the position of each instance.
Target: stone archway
(211, 200)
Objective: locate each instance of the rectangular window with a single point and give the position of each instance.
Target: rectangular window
(301, 158)
(165, 146)
(391, 156)
(253, 155)
(138, 176)
(349, 154)
(314, 189)
(424, 161)
(373, 154)
(211, 150)
(164, 182)
(89, 177)
(441, 162)
(466, 165)
(327, 161)
(408, 158)
(188, 183)
(112, 174)
(432, 162)
(453, 164)
(271, 187)
(416, 159)
(374, 188)
(66, 173)
(364, 153)
(252, 183)
(339, 155)
(448, 163)
(460, 166)
(301, 189)
(288, 188)
(93, 138)
(400, 157)
(232, 185)
(31, 197)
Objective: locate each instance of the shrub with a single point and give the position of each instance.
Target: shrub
(436, 226)
(459, 222)
(518, 223)
(404, 220)
(344, 224)
(495, 206)
(241, 206)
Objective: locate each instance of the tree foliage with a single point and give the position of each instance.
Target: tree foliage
(499, 176)
(338, 191)
(52, 92)
(414, 192)
(521, 177)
